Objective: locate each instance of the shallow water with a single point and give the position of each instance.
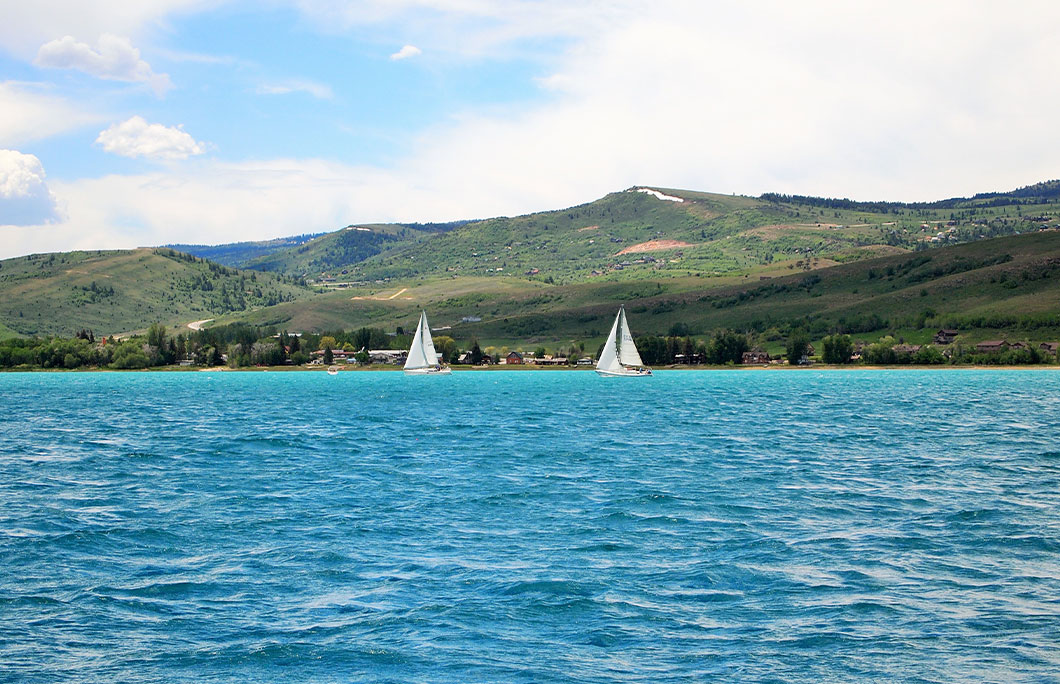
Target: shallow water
(530, 526)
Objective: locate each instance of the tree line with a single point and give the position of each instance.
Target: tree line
(241, 345)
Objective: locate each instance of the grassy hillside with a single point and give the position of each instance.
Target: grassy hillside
(679, 260)
(657, 233)
(118, 291)
(1004, 286)
(330, 255)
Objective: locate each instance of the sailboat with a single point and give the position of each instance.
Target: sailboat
(620, 358)
(422, 359)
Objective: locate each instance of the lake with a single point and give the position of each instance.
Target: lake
(506, 526)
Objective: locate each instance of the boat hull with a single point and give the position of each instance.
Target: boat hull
(624, 373)
(428, 371)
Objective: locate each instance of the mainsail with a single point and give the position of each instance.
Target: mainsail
(609, 356)
(422, 354)
(627, 351)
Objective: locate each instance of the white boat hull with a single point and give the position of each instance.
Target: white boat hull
(429, 371)
(624, 373)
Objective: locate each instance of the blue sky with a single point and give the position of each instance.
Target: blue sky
(211, 121)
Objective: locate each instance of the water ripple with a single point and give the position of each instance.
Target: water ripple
(523, 527)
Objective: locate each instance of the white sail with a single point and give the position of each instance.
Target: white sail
(422, 354)
(619, 358)
(609, 356)
(627, 351)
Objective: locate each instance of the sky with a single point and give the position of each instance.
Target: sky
(126, 124)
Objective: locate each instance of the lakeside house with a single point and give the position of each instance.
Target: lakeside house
(1049, 347)
(945, 336)
(906, 348)
(336, 354)
(755, 356)
(514, 358)
(991, 346)
(466, 360)
(552, 361)
(394, 356)
(585, 361)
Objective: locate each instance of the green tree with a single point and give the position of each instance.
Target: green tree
(881, 353)
(798, 346)
(836, 349)
(929, 355)
(476, 353)
(726, 347)
(329, 357)
(446, 347)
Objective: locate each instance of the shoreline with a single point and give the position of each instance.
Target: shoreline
(531, 368)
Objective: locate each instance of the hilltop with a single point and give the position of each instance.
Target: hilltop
(120, 291)
(239, 254)
(648, 233)
(680, 260)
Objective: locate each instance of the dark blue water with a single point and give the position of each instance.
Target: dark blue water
(530, 526)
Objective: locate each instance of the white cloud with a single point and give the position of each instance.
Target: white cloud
(406, 52)
(136, 138)
(24, 195)
(25, 26)
(317, 90)
(28, 112)
(912, 101)
(114, 59)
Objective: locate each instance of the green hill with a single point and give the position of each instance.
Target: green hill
(990, 288)
(331, 255)
(652, 233)
(239, 254)
(119, 291)
(764, 265)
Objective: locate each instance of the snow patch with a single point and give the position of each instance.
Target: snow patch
(658, 195)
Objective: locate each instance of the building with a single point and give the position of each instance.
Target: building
(394, 356)
(338, 355)
(945, 336)
(552, 361)
(906, 348)
(755, 356)
(991, 346)
(586, 361)
(514, 358)
(1049, 347)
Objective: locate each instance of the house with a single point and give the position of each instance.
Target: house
(514, 358)
(1049, 347)
(336, 354)
(464, 359)
(755, 356)
(945, 336)
(553, 361)
(395, 356)
(991, 346)
(1019, 345)
(586, 361)
(471, 319)
(906, 348)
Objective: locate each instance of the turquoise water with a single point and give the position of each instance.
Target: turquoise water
(797, 526)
